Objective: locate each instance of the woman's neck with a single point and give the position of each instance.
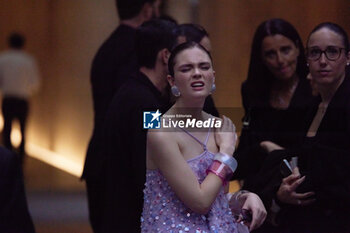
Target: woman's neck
(282, 92)
(327, 91)
(193, 108)
(285, 85)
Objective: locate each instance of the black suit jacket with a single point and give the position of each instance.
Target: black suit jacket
(114, 62)
(325, 161)
(14, 215)
(125, 153)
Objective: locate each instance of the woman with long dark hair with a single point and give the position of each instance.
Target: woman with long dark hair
(275, 97)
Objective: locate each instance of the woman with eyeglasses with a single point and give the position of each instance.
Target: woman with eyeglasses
(316, 196)
(275, 96)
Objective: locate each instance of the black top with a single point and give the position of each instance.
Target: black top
(125, 150)
(325, 160)
(14, 215)
(114, 62)
(263, 122)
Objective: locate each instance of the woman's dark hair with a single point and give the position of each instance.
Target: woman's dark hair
(335, 28)
(181, 47)
(192, 32)
(259, 77)
(340, 31)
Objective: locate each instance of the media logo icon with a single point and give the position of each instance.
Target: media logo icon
(151, 120)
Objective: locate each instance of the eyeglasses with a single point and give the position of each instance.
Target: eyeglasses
(332, 53)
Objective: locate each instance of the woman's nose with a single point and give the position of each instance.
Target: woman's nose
(197, 72)
(279, 58)
(323, 59)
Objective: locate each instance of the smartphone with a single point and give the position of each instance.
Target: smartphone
(246, 215)
(285, 168)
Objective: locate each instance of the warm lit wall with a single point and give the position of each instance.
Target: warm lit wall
(65, 34)
(232, 23)
(78, 29)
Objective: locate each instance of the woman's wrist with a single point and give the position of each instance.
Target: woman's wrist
(228, 160)
(227, 150)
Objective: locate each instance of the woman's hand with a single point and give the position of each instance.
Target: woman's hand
(286, 192)
(226, 136)
(255, 206)
(269, 146)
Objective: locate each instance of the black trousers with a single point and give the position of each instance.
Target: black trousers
(14, 108)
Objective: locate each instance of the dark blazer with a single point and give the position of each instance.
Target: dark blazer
(14, 215)
(125, 152)
(325, 160)
(114, 62)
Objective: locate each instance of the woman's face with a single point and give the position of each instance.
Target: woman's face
(193, 73)
(323, 70)
(280, 55)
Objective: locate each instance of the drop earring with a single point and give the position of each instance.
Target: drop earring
(175, 91)
(213, 88)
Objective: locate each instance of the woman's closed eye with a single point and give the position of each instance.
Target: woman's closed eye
(204, 66)
(185, 68)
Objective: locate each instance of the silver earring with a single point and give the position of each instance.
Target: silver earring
(347, 63)
(175, 91)
(307, 64)
(213, 88)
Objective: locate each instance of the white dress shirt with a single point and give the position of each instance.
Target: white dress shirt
(19, 75)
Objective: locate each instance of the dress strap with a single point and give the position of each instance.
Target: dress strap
(203, 144)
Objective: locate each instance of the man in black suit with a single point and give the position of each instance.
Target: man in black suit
(114, 62)
(125, 138)
(14, 215)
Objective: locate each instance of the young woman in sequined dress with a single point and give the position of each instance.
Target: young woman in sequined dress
(180, 196)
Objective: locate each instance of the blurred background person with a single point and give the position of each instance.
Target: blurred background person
(114, 62)
(19, 80)
(275, 97)
(194, 32)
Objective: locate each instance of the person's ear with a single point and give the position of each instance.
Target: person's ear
(171, 80)
(165, 54)
(348, 58)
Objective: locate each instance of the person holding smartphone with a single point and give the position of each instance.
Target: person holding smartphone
(315, 197)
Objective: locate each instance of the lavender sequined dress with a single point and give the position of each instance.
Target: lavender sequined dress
(164, 212)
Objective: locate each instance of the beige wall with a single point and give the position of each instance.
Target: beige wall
(78, 29)
(64, 35)
(232, 23)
